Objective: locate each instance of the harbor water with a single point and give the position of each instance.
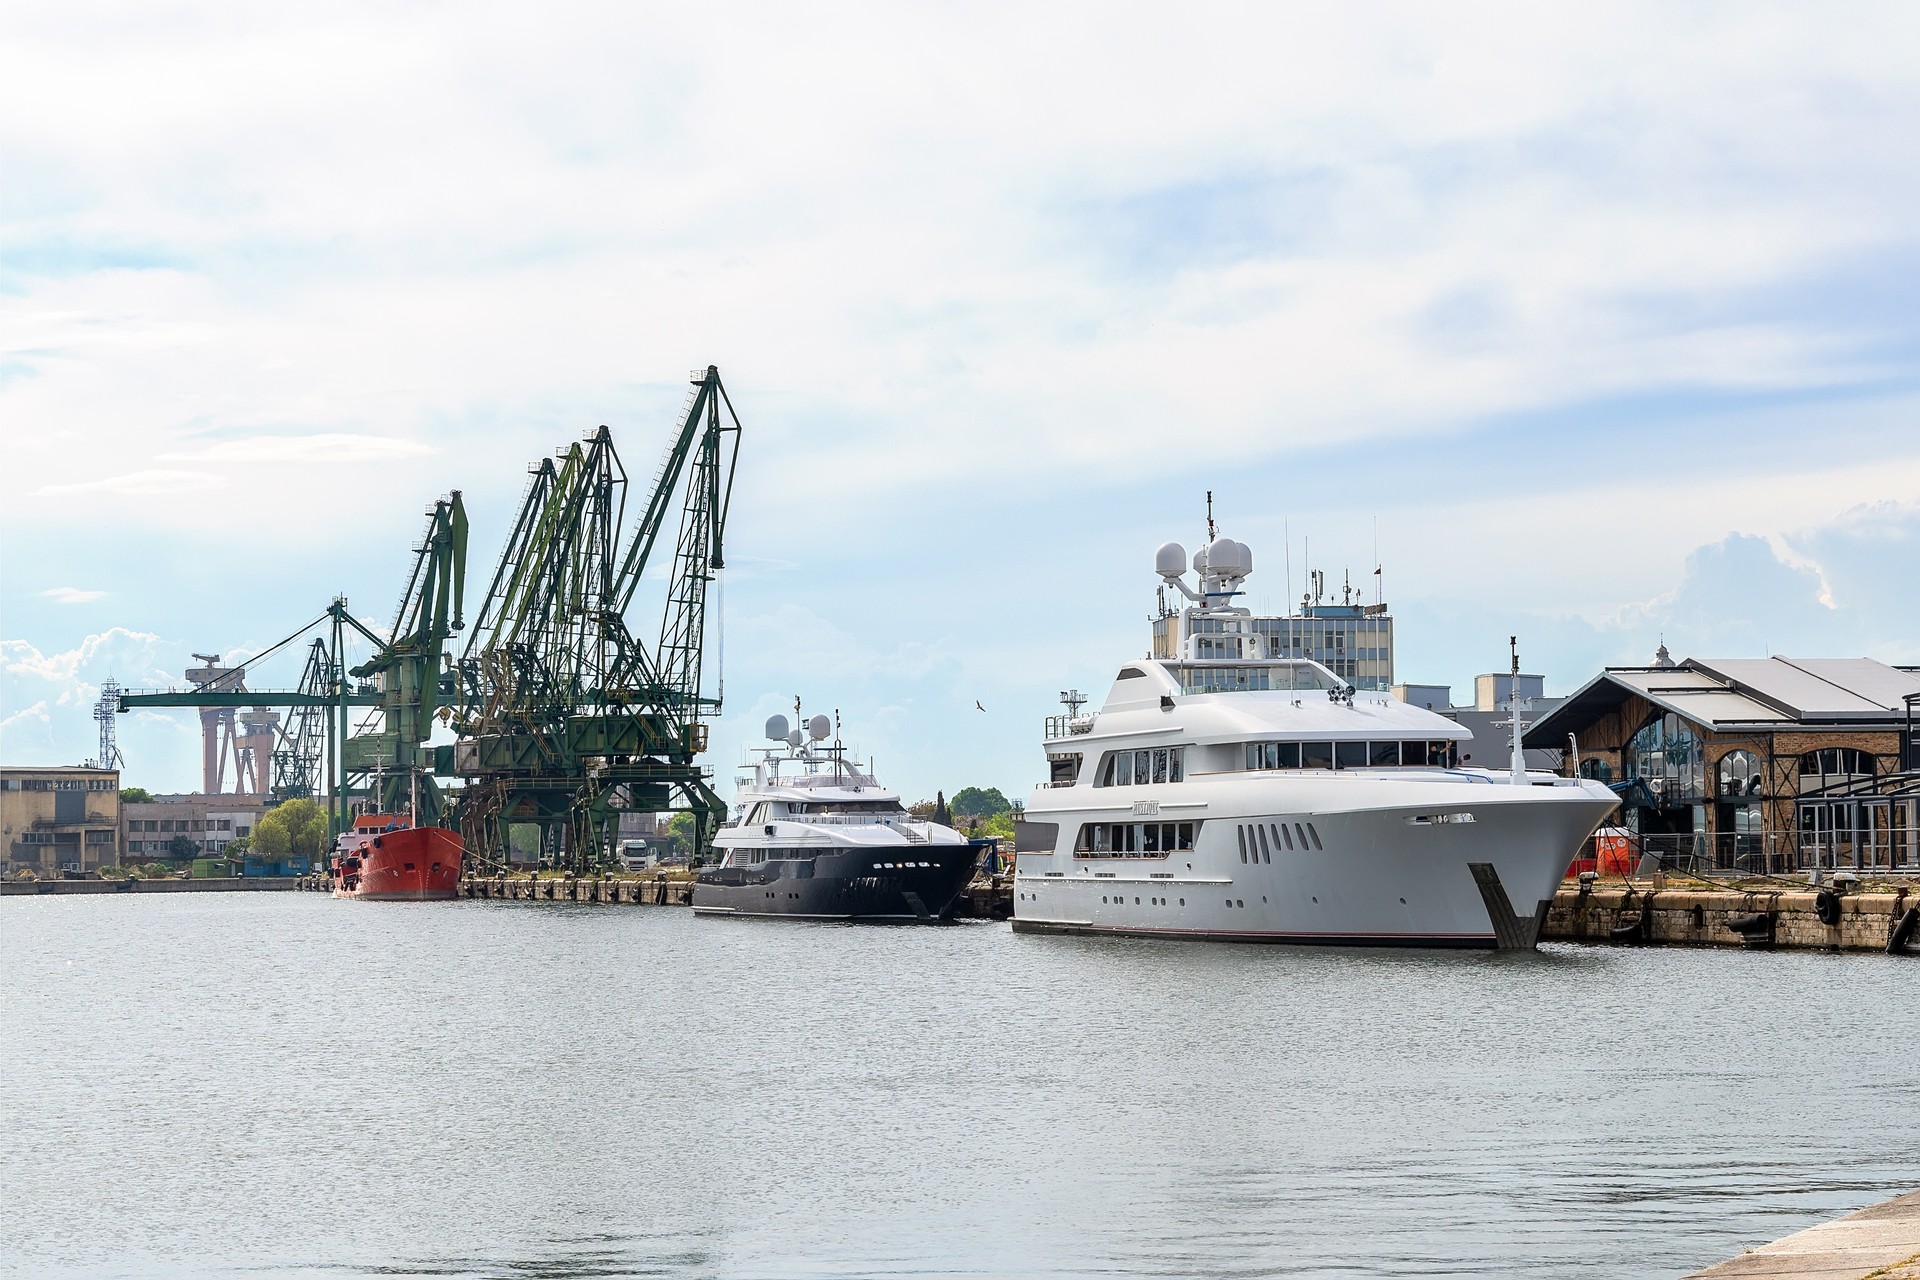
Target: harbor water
(283, 1085)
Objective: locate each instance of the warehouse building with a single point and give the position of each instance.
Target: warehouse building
(1754, 764)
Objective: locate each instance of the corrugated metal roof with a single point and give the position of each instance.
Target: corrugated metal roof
(1811, 693)
(1878, 683)
(1649, 679)
(1719, 708)
(1771, 692)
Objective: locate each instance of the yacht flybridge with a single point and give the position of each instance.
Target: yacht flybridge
(814, 836)
(1225, 794)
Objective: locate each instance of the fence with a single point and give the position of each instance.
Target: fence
(1894, 851)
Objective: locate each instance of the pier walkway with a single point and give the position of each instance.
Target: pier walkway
(1882, 1242)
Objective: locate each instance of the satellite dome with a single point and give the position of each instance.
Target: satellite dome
(1170, 561)
(777, 728)
(1200, 560)
(793, 739)
(819, 727)
(1229, 558)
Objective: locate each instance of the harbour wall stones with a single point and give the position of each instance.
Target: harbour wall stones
(1755, 918)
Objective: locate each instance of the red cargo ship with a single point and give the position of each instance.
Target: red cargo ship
(386, 858)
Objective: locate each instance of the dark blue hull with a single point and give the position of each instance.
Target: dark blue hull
(912, 886)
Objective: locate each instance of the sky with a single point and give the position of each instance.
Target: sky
(1593, 326)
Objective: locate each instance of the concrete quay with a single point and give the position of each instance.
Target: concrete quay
(1881, 1242)
(216, 884)
(1783, 917)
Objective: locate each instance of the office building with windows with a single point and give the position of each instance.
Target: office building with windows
(1354, 641)
(1763, 764)
(177, 827)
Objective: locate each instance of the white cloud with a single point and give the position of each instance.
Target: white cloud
(151, 483)
(332, 447)
(72, 595)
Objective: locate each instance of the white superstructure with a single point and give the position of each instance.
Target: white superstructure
(805, 798)
(1246, 798)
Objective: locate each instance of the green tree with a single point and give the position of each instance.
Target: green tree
(135, 795)
(181, 848)
(998, 825)
(972, 802)
(238, 847)
(294, 828)
(680, 834)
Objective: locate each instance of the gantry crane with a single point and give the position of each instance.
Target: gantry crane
(565, 718)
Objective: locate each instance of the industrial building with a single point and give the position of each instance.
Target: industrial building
(1754, 764)
(58, 819)
(210, 822)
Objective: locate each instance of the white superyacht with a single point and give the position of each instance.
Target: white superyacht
(1246, 798)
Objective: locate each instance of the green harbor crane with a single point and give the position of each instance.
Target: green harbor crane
(565, 717)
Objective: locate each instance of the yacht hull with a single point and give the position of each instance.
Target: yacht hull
(919, 885)
(1442, 873)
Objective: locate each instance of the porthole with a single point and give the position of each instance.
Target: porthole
(1263, 897)
(1183, 902)
(1240, 902)
(1136, 902)
(1403, 902)
(1316, 899)
(1229, 902)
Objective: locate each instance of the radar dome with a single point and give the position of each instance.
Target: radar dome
(1200, 560)
(793, 739)
(819, 727)
(777, 728)
(1170, 561)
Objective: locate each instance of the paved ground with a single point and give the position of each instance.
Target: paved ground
(1882, 1242)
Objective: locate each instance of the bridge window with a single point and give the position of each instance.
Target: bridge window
(1137, 768)
(1350, 755)
(1134, 839)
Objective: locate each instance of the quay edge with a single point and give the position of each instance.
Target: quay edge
(1881, 1241)
(1787, 918)
(217, 884)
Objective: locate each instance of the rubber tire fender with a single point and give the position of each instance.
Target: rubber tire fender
(1826, 905)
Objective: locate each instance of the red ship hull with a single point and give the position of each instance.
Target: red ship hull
(407, 864)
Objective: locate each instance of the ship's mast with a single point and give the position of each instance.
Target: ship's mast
(1519, 762)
